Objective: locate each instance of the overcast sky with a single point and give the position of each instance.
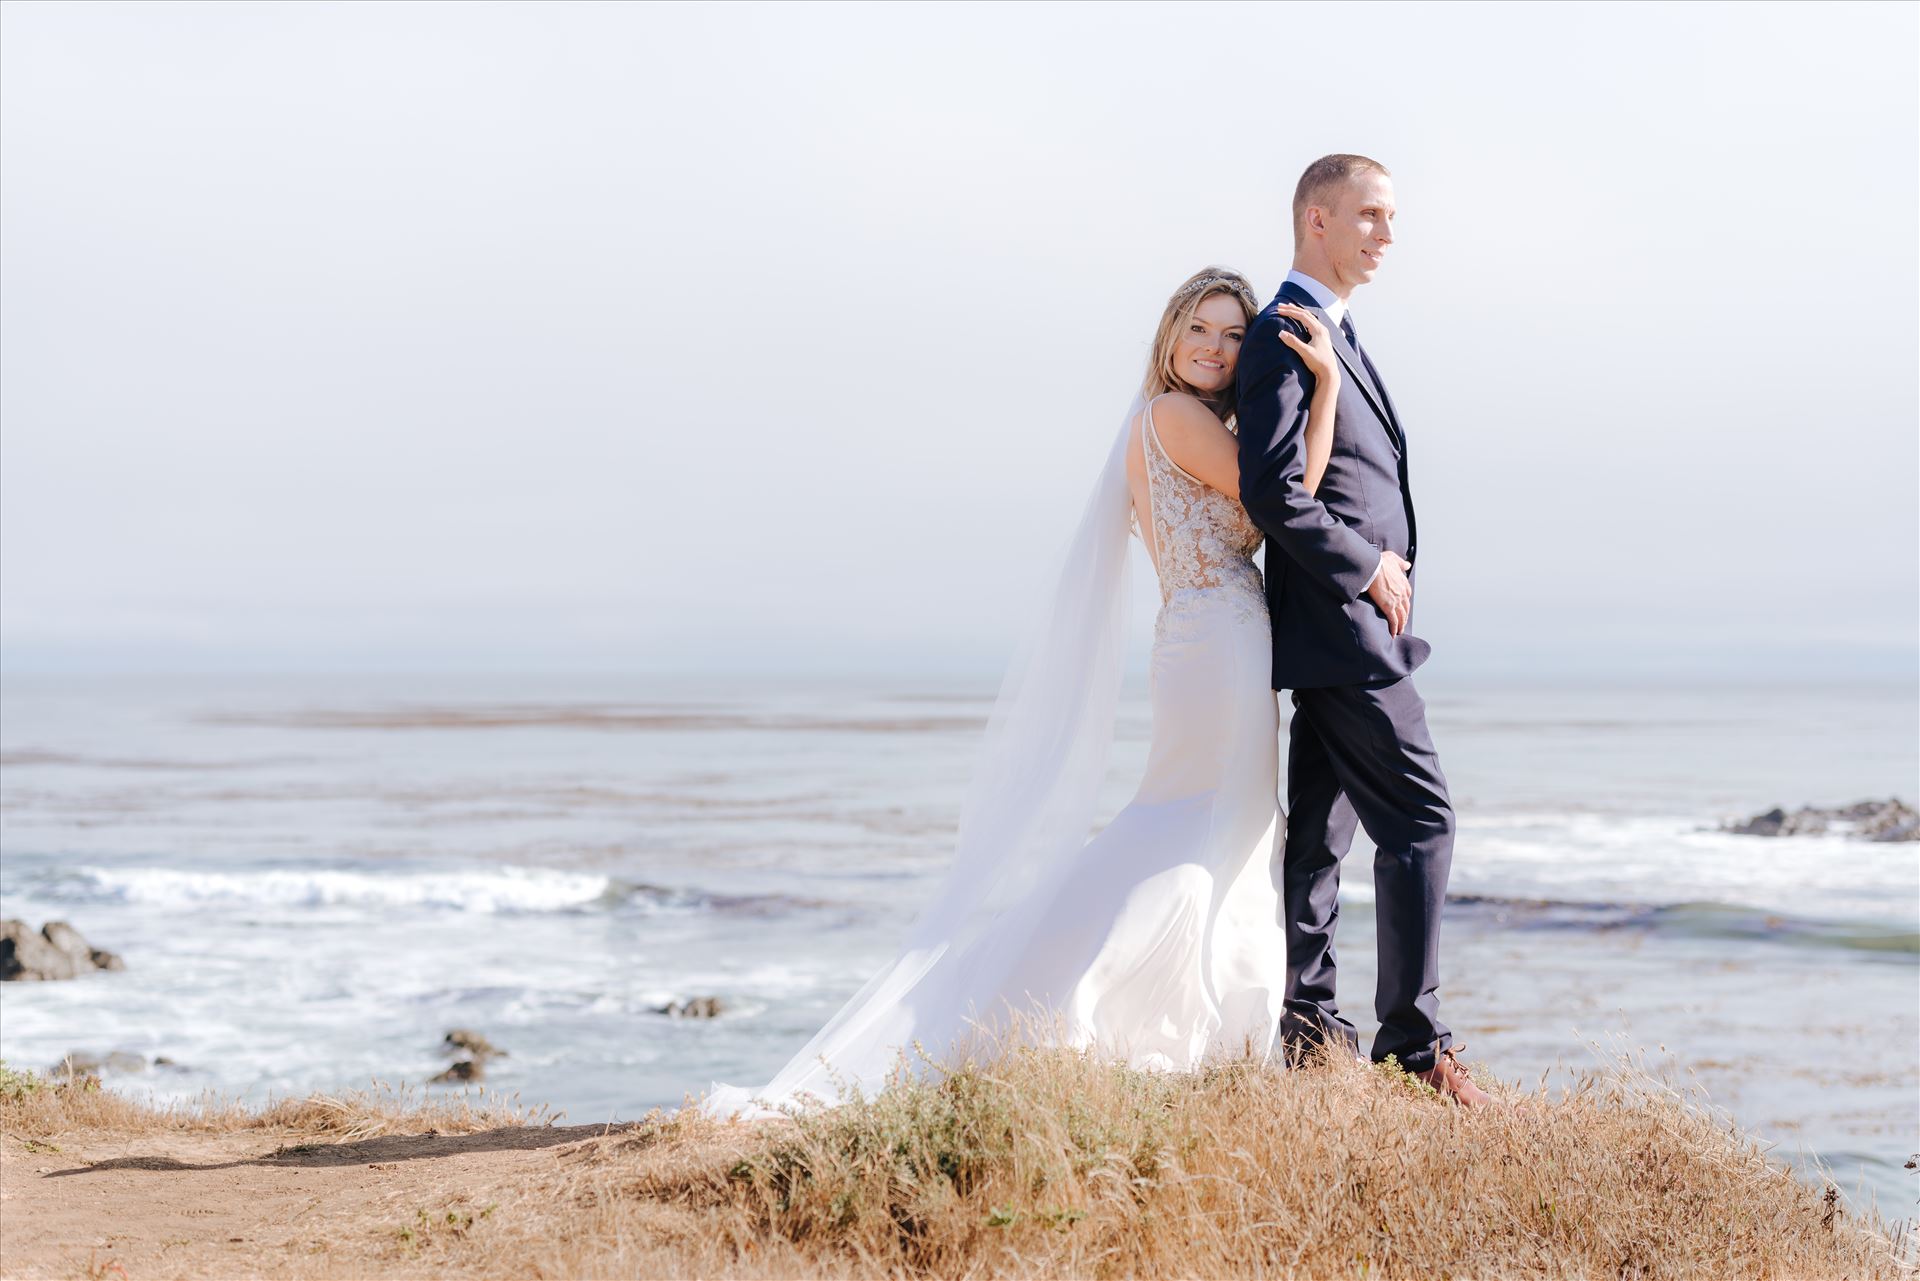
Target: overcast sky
(788, 337)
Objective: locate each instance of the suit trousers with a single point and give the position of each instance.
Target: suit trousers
(1360, 755)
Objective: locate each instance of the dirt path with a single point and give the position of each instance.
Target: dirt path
(173, 1204)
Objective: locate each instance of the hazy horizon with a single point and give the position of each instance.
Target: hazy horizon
(788, 338)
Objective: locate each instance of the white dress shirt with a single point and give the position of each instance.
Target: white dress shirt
(1336, 308)
(1328, 301)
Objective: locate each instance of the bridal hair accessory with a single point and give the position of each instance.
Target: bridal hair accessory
(1204, 282)
(1232, 282)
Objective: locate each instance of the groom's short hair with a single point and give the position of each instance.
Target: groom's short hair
(1320, 179)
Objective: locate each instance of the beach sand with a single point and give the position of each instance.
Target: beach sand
(251, 1203)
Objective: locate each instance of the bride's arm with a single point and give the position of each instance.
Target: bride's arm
(1198, 442)
(1325, 366)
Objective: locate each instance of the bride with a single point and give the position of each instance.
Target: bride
(1159, 942)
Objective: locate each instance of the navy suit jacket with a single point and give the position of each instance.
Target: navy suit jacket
(1323, 546)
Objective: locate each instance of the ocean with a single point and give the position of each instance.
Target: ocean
(313, 878)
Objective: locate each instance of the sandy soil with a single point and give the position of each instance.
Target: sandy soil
(99, 1204)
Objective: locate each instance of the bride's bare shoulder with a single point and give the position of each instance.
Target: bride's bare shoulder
(1180, 413)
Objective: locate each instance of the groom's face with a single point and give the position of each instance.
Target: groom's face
(1359, 227)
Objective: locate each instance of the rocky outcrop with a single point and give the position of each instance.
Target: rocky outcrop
(55, 951)
(88, 1063)
(473, 1051)
(1888, 820)
(698, 1007)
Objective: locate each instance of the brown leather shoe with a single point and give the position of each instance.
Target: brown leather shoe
(1451, 1078)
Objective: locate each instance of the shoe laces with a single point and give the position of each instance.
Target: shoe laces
(1453, 1052)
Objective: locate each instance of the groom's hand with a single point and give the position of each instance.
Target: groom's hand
(1391, 591)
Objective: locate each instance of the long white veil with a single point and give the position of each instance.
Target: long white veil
(1028, 810)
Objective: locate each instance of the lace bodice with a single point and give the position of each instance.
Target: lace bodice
(1203, 540)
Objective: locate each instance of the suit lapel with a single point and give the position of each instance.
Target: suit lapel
(1356, 368)
(1393, 415)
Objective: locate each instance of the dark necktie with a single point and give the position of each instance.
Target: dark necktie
(1346, 327)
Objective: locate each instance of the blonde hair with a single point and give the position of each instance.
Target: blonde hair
(1186, 300)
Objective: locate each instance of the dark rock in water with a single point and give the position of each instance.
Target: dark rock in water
(699, 1007)
(1888, 820)
(463, 1040)
(464, 1070)
(1767, 824)
(55, 951)
(26, 954)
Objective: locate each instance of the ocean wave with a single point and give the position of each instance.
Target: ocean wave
(671, 898)
(482, 891)
(1676, 860)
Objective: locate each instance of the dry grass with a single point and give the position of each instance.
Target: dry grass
(1025, 1162)
(34, 1106)
(1048, 1163)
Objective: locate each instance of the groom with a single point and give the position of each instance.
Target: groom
(1340, 589)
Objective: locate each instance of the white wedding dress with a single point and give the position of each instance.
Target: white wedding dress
(1160, 941)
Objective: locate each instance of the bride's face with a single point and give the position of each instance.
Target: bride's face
(1207, 347)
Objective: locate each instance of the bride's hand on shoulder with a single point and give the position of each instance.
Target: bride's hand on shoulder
(1317, 350)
